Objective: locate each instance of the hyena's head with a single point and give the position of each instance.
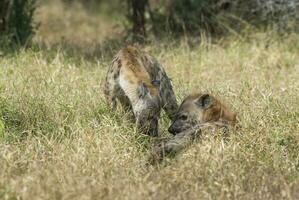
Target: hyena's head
(147, 111)
(197, 109)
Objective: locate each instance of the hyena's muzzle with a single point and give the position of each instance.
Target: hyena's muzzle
(178, 126)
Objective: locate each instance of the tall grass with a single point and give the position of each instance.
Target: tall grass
(62, 142)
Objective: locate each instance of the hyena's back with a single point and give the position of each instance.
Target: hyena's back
(131, 68)
(125, 73)
(133, 71)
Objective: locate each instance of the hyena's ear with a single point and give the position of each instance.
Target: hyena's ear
(141, 90)
(204, 101)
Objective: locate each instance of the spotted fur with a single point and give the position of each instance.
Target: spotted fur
(139, 83)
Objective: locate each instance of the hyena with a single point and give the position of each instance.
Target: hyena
(197, 112)
(140, 84)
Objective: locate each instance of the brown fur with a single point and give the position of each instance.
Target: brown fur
(198, 109)
(139, 82)
(133, 69)
(197, 112)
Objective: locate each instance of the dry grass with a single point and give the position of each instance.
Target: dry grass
(61, 141)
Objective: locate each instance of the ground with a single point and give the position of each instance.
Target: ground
(62, 142)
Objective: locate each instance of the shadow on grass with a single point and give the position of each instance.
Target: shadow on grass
(90, 52)
(98, 52)
(73, 52)
(32, 116)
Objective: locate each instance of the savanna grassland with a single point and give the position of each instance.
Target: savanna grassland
(59, 140)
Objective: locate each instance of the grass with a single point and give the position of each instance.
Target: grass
(62, 142)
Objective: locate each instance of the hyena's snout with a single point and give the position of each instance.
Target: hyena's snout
(177, 127)
(172, 129)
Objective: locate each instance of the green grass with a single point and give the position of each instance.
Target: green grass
(60, 140)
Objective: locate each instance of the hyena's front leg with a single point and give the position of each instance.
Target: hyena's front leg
(111, 86)
(173, 145)
(126, 105)
(110, 95)
(169, 101)
(124, 101)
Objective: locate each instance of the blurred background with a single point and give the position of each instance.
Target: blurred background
(95, 22)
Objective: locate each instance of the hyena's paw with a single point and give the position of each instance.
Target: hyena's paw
(112, 103)
(160, 151)
(170, 147)
(157, 155)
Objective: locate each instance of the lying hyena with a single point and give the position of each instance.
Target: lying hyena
(197, 112)
(139, 82)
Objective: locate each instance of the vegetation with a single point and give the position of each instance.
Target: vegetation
(16, 21)
(59, 140)
(222, 16)
(216, 17)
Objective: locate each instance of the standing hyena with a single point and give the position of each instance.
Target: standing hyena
(139, 82)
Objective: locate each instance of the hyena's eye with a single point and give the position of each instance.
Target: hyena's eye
(183, 117)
